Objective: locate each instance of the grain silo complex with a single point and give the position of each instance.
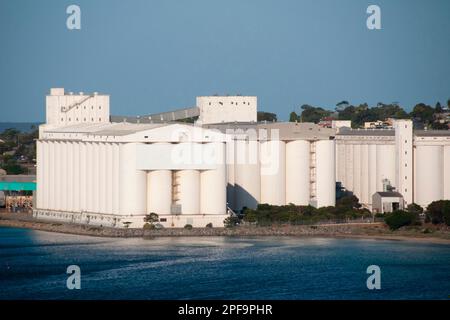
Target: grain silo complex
(98, 169)
(112, 171)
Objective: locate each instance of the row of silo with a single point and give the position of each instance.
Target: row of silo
(279, 173)
(196, 191)
(362, 167)
(98, 177)
(76, 176)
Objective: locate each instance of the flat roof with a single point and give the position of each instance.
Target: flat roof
(387, 194)
(366, 132)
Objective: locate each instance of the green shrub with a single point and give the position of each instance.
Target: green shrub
(439, 212)
(399, 218)
(149, 226)
(188, 226)
(209, 225)
(231, 221)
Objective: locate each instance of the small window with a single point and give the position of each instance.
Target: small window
(84, 119)
(62, 119)
(92, 119)
(163, 220)
(92, 107)
(84, 107)
(145, 137)
(99, 107)
(99, 119)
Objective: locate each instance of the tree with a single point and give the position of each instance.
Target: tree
(399, 218)
(231, 221)
(439, 126)
(439, 212)
(313, 114)
(266, 116)
(414, 208)
(438, 108)
(293, 117)
(423, 112)
(151, 218)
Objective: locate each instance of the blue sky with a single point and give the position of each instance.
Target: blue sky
(156, 55)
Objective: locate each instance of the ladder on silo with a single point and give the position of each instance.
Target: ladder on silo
(312, 171)
(175, 186)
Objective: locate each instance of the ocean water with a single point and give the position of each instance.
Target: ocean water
(33, 266)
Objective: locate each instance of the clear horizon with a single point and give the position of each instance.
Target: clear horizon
(155, 56)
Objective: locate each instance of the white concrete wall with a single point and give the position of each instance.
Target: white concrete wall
(218, 109)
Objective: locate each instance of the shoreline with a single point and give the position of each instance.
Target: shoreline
(373, 231)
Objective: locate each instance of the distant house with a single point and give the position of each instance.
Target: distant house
(387, 201)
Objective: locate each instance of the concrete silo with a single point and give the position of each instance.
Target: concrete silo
(298, 172)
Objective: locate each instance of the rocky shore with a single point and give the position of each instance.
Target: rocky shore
(428, 233)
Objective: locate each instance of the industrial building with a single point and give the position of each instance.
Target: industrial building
(99, 169)
(414, 163)
(112, 171)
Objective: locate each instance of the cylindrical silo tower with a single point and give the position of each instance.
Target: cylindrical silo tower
(357, 170)
(428, 173)
(273, 172)
(159, 190)
(446, 161)
(213, 195)
(247, 174)
(189, 191)
(325, 177)
(298, 172)
(372, 171)
(133, 182)
(364, 199)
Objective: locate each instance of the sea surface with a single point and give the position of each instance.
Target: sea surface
(33, 265)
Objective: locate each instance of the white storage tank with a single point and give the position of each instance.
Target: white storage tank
(298, 172)
(133, 182)
(189, 191)
(372, 176)
(357, 170)
(428, 172)
(273, 172)
(247, 175)
(446, 172)
(213, 195)
(159, 192)
(325, 178)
